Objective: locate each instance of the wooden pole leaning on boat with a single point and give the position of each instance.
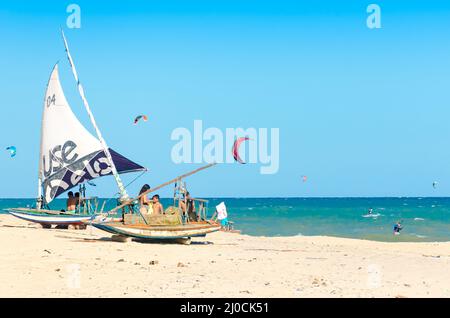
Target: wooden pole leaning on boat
(162, 186)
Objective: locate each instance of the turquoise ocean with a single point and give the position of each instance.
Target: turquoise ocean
(424, 219)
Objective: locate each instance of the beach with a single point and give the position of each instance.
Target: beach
(37, 262)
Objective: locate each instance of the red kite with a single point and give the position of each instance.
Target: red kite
(235, 149)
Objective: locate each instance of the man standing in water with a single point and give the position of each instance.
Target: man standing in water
(397, 228)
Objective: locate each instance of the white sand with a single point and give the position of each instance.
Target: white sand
(35, 262)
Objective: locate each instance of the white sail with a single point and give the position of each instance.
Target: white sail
(69, 153)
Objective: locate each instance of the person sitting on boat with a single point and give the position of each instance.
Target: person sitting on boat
(157, 206)
(189, 206)
(71, 202)
(145, 205)
(78, 201)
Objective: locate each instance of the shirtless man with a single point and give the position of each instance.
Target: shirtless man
(157, 206)
(71, 202)
(79, 202)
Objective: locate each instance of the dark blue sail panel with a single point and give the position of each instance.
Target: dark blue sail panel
(124, 165)
(89, 167)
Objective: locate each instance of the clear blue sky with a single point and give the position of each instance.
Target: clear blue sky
(361, 112)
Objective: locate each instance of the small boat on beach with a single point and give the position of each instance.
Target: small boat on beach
(155, 232)
(49, 217)
(174, 224)
(70, 156)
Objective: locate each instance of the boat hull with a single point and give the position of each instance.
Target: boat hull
(42, 217)
(158, 232)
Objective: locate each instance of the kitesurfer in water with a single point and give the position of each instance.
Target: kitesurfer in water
(397, 228)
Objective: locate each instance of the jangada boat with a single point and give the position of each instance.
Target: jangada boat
(70, 156)
(175, 224)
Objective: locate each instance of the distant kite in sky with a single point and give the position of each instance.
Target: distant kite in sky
(144, 117)
(304, 178)
(235, 150)
(435, 183)
(12, 150)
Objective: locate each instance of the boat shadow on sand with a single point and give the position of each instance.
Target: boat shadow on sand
(142, 241)
(19, 226)
(75, 237)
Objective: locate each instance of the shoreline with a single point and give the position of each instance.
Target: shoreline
(424, 220)
(398, 238)
(86, 263)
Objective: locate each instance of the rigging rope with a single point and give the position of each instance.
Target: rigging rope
(130, 183)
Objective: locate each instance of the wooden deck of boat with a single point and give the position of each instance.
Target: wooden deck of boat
(188, 226)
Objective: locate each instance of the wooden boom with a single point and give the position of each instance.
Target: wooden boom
(163, 185)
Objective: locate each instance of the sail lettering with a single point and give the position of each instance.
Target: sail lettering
(76, 176)
(56, 158)
(89, 169)
(49, 171)
(60, 156)
(52, 188)
(67, 149)
(102, 171)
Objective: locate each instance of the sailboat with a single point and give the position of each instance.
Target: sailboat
(70, 156)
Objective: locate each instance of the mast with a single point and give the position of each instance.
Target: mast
(39, 196)
(39, 199)
(39, 192)
(123, 193)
